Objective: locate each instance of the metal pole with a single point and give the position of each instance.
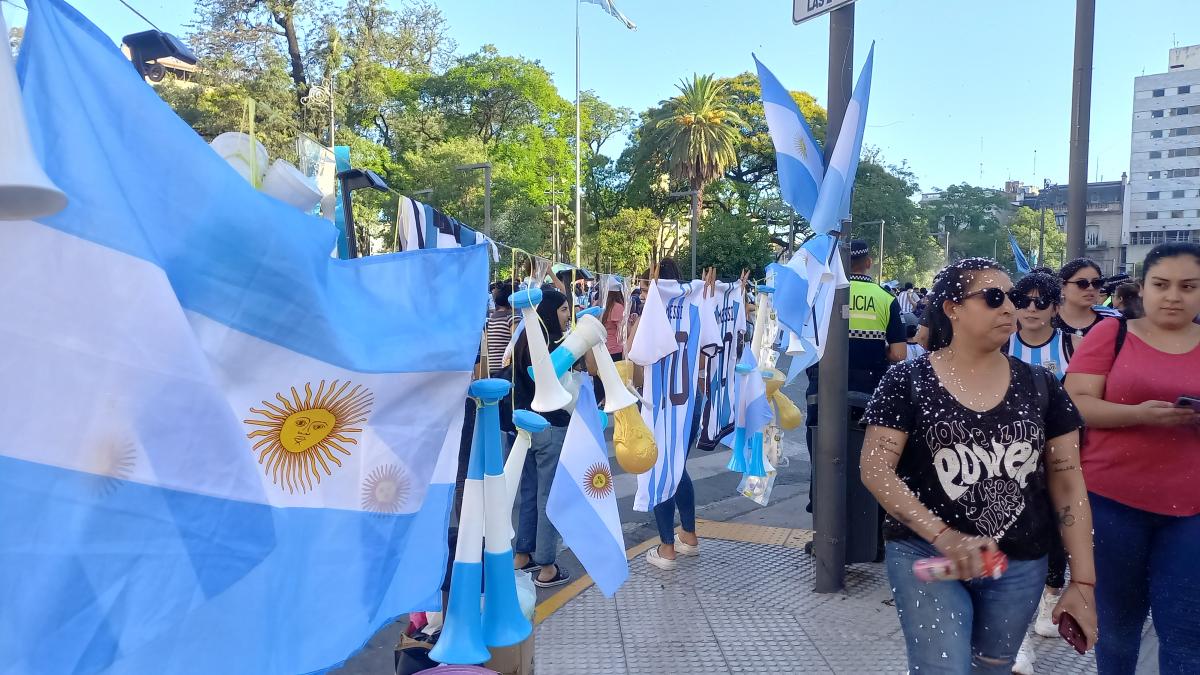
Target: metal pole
(791, 235)
(881, 223)
(1081, 119)
(331, 117)
(578, 150)
(829, 511)
(695, 228)
(947, 246)
(1042, 237)
(487, 200)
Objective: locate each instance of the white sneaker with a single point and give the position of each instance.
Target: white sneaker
(1024, 663)
(684, 548)
(1044, 625)
(658, 561)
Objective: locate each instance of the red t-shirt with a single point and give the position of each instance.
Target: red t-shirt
(1155, 469)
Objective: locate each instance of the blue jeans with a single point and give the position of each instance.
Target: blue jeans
(1146, 562)
(955, 627)
(685, 496)
(536, 535)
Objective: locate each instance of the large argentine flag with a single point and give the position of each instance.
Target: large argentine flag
(833, 204)
(797, 153)
(583, 500)
(226, 452)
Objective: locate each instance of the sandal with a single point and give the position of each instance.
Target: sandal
(560, 578)
(684, 548)
(658, 561)
(529, 567)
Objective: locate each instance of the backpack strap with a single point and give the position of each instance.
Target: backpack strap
(1122, 332)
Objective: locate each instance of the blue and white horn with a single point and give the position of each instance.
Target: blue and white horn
(737, 458)
(527, 424)
(462, 641)
(548, 392)
(762, 315)
(504, 623)
(757, 466)
(588, 333)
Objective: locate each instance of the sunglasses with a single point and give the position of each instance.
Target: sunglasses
(1082, 284)
(994, 297)
(1023, 301)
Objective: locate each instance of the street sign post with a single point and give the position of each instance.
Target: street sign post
(803, 10)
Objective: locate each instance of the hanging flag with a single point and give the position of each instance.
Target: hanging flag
(1018, 256)
(583, 501)
(804, 290)
(798, 155)
(753, 410)
(609, 7)
(233, 453)
(833, 202)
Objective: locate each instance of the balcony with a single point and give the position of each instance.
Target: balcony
(1096, 245)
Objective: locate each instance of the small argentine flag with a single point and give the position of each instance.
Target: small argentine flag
(583, 500)
(612, 9)
(797, 153)
(833, 204)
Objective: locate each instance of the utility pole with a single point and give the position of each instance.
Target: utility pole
(1081, 119)
(695, 225)
(829, 511)
(1041, 235)
(487, 193)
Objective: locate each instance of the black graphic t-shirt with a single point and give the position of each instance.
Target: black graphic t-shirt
(982, 473)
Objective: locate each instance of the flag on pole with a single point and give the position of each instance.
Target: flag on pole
(233, 453)
(1018, 256)
(583, 500)
(804, 290)
(608, 6)
(798, 155)
(833, 203)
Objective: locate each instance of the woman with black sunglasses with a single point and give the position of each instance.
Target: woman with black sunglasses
(971, 451)
(1081, 308)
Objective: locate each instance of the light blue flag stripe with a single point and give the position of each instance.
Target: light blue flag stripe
(231, 253)
(833, 203)
(797, 153)
(1018, 256)
(608, 6)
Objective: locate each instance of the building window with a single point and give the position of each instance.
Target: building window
(1177, 214)
(1181, 235)
(1157, 133)
(1157, 154)
(1181, 173)
(1154, 175)
(1093, 235)
(1151, 195)
(1180, 111)
(1157, 93)
(1156, 113)
(1177, 194)
(1178, 152)
(1147, 238)
(1185, 89)
(1152, 215)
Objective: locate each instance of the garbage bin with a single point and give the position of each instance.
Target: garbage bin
(863, 535)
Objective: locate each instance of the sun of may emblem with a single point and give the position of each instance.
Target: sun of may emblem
(386, 489)
(597, 481)
(801, 146)
(300, 436)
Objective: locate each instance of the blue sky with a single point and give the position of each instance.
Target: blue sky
(951, 76)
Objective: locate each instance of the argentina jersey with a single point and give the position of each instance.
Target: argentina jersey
(716, 421)
(1054, 355)
(670, 335)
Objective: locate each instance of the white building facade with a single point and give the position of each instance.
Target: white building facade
(1164, 179)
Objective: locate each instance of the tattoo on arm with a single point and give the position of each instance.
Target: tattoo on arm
(1059, 465)
(1065, 518)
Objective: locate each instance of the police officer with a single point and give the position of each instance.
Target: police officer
(877, 337)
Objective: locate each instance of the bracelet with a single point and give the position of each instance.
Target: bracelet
(1089, 584)
(940, 533)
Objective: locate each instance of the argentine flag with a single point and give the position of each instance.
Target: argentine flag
(798, 155)
(833, 204)
(583, 500)
(1018, 255)
(608, 6)
(226, 451)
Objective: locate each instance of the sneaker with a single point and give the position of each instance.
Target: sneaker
(684, 548)
(561, 577)
(1024, 663)
(658, 561)
(530, 567)
(1044, 625)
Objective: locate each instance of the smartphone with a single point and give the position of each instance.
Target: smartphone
(1192, 402)
(1070, 631)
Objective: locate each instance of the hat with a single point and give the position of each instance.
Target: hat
(859, 248)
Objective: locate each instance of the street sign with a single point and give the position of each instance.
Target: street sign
(803, 10)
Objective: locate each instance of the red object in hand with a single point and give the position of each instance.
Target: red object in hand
(1070, 631)
(995, 564)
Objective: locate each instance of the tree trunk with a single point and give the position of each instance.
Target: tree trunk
(286, 19)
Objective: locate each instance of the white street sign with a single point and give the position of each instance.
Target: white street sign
(803, 10)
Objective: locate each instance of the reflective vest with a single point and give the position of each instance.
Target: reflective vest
(870, 308)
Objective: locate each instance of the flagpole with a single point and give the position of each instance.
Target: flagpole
(578, 148)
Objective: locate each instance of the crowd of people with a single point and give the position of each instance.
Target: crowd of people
(1047, 419)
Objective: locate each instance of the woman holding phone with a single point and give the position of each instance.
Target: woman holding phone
(972, 452)
(1142, 462)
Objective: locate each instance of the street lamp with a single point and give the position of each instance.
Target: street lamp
(1060, 219)
(695, 195)
(487, 193)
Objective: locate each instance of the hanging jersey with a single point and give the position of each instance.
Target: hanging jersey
(670, 335)
(1054, 355)
(729, 313)
(422, 226)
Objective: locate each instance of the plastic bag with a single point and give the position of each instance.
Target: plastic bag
(526, 593)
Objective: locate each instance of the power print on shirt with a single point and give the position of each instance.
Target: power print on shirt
(984, 477)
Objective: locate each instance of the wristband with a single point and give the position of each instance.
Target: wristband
(940, 533)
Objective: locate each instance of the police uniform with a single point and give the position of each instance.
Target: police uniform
(875, 323)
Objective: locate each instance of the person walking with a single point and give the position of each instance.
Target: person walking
(499, 327)
(535, 547)
(972, 452)
(1141, 458)
(1080, 310)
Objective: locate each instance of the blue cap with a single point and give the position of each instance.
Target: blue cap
(528, 298)
(490, 390)
(529, 421)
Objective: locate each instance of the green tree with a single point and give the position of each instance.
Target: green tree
(697, 132)
(975, 218)
(1026, 226)
(730, 243)
(884, 192)
(627, 241)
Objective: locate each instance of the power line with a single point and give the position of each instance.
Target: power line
(143, 16)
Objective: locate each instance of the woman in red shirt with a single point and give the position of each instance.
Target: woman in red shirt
(1141, 461)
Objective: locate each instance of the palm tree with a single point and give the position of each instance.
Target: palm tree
(698, 131)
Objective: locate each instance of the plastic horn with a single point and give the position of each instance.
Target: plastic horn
(504, 623)
(527, 424)
(588, 333)
(462, 640)
(593, 312)
(633, 443)
(786, 413)
(737, 459)
(548, 392)
(762, 315)
(757, 464)
(25, 190)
